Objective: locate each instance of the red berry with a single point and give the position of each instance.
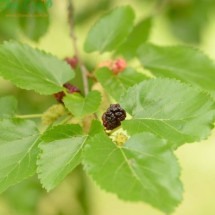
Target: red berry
(70, 89)
(119, 65)
(72, 61)
(59, 96)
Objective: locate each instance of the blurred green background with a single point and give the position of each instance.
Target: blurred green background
(176, 22)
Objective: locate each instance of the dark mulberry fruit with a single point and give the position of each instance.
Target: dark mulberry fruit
(113, 116)
(70, 89)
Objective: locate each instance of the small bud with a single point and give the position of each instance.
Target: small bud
(118, 66)
(72, 61)
(119, 137)
(52, 114)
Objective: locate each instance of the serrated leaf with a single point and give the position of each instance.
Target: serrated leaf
(110, 30)
(116, 85)
(180, 62)
(169, 109)
(144, 169)
(32, 69)
(61, 151)
(18, 151)
(81, 106)
(137, 37)
(8, 106)
(36, 22)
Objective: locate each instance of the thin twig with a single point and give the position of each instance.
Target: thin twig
(30, 116)
(84, 71)
(160, 6)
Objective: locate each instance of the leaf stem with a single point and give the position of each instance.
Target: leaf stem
(30, 116)
(66, 119)
(75, 46)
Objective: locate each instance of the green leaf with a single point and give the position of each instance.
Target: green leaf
(61, 151)
(180, 62)
(188, 19)
(4, 4)
(36, 22)
(110, 30)
(95, 128)
(169, 109)
(80, 106)
(143, 169)
(18, 151)
(8, 24)
(32, 69)
(25, 197)
(116, 85)
(87, 13)
(137, 37)
(8, 106)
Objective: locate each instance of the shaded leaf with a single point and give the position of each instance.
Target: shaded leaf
(8, 106)
(180, 62)
(80, 106)
(34, 21)
(137, 37)
(188, 19)
(116, 85)
(110, 30)
(18, 151)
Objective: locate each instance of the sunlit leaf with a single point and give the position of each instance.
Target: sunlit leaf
(32, 69)
(144, 169)
(61, 148)
(169, 109)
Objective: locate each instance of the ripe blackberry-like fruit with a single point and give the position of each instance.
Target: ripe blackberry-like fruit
(70, 89)
(113, 116)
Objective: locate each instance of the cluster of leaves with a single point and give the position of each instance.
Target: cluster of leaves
(187, 19)
(174, 106)
(28, 16)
